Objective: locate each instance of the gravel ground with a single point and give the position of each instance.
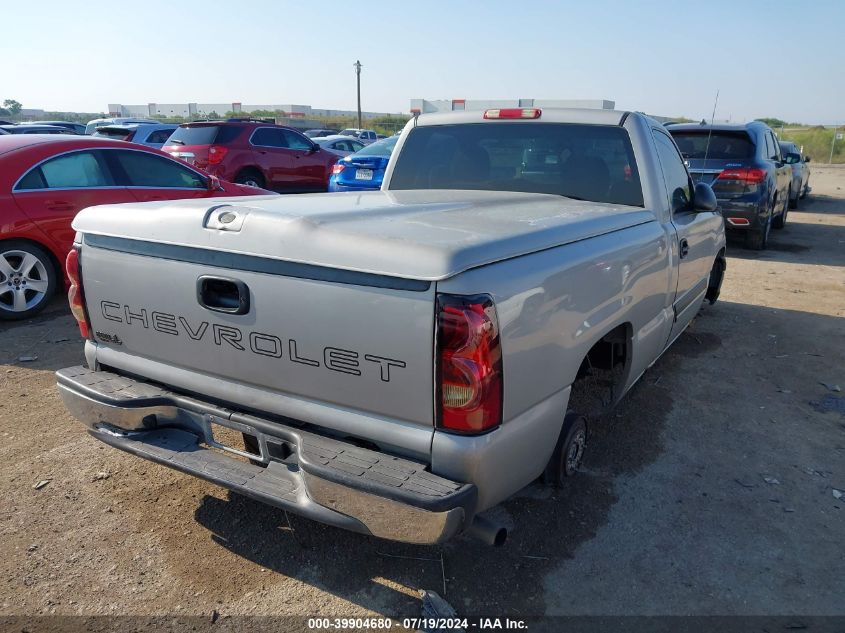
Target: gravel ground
(710, 490)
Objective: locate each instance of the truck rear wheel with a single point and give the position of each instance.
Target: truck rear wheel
(569, 450)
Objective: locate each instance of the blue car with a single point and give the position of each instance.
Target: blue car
(364, 169)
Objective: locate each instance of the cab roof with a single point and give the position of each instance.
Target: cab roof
(720, 127)
(548, 115)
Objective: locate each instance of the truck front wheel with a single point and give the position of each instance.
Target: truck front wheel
(569, 451)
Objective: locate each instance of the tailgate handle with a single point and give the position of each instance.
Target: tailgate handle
(222, 294)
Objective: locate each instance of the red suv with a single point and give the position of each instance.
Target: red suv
(251, 152)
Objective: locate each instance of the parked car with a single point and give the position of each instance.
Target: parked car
(29, 128)
(743, 163)
(399, 361)
(321, 132)
(76, 128)
(45, 181)
(340, 145)
(149, 134)
(98, 123)
(800, 164)
(254, 153)
(364, 169)
(365, 136)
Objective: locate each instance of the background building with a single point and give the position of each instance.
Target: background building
(202, 110)
(424, 106)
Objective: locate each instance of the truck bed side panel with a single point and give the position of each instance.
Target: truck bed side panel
(553, 307)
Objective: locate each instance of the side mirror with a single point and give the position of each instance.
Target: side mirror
(214, 184)
(704, 200)
(806, 159)
(314, 148)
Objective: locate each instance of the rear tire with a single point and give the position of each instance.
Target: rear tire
(758, 239)
(28, 280)
(793, 204)
(779, 221)
(569, 451)
(250, 177)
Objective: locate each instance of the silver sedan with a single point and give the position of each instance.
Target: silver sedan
(340, 145)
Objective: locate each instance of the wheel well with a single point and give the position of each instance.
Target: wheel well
(603, 372)
(57, 265)
(251, 169)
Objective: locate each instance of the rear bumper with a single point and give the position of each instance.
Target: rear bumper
(338, 186)
(742, 214)
(321, 478)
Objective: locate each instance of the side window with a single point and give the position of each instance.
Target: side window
(775, 155)
(269, 137)
(32, 180)
(674, 172)
(296, 141)
(159, 136)
(768, 145)
(71, 171)
(150, 170)
(355, 145)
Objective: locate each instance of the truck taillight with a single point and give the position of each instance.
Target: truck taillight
(469, 364)
(75, 297)
(216, 153)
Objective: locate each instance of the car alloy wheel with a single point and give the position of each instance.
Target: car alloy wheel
(24, 281)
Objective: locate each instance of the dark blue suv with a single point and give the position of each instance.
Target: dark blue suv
(744, 166)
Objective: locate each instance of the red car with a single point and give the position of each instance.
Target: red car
(254, 153)
(46, 180)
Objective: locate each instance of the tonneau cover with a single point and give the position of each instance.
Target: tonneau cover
(427, 235)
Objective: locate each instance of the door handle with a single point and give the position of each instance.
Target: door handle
(59, 205)
(684, 248)
(221, 294)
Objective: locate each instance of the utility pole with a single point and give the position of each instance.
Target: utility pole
(357, 65)
(832, 143)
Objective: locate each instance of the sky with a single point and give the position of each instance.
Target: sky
(776, 58)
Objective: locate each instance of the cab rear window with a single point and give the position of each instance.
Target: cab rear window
(716, 145)
(204, 135)
(585, 162)
(115, 133)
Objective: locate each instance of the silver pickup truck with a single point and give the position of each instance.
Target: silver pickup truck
(396, 362)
